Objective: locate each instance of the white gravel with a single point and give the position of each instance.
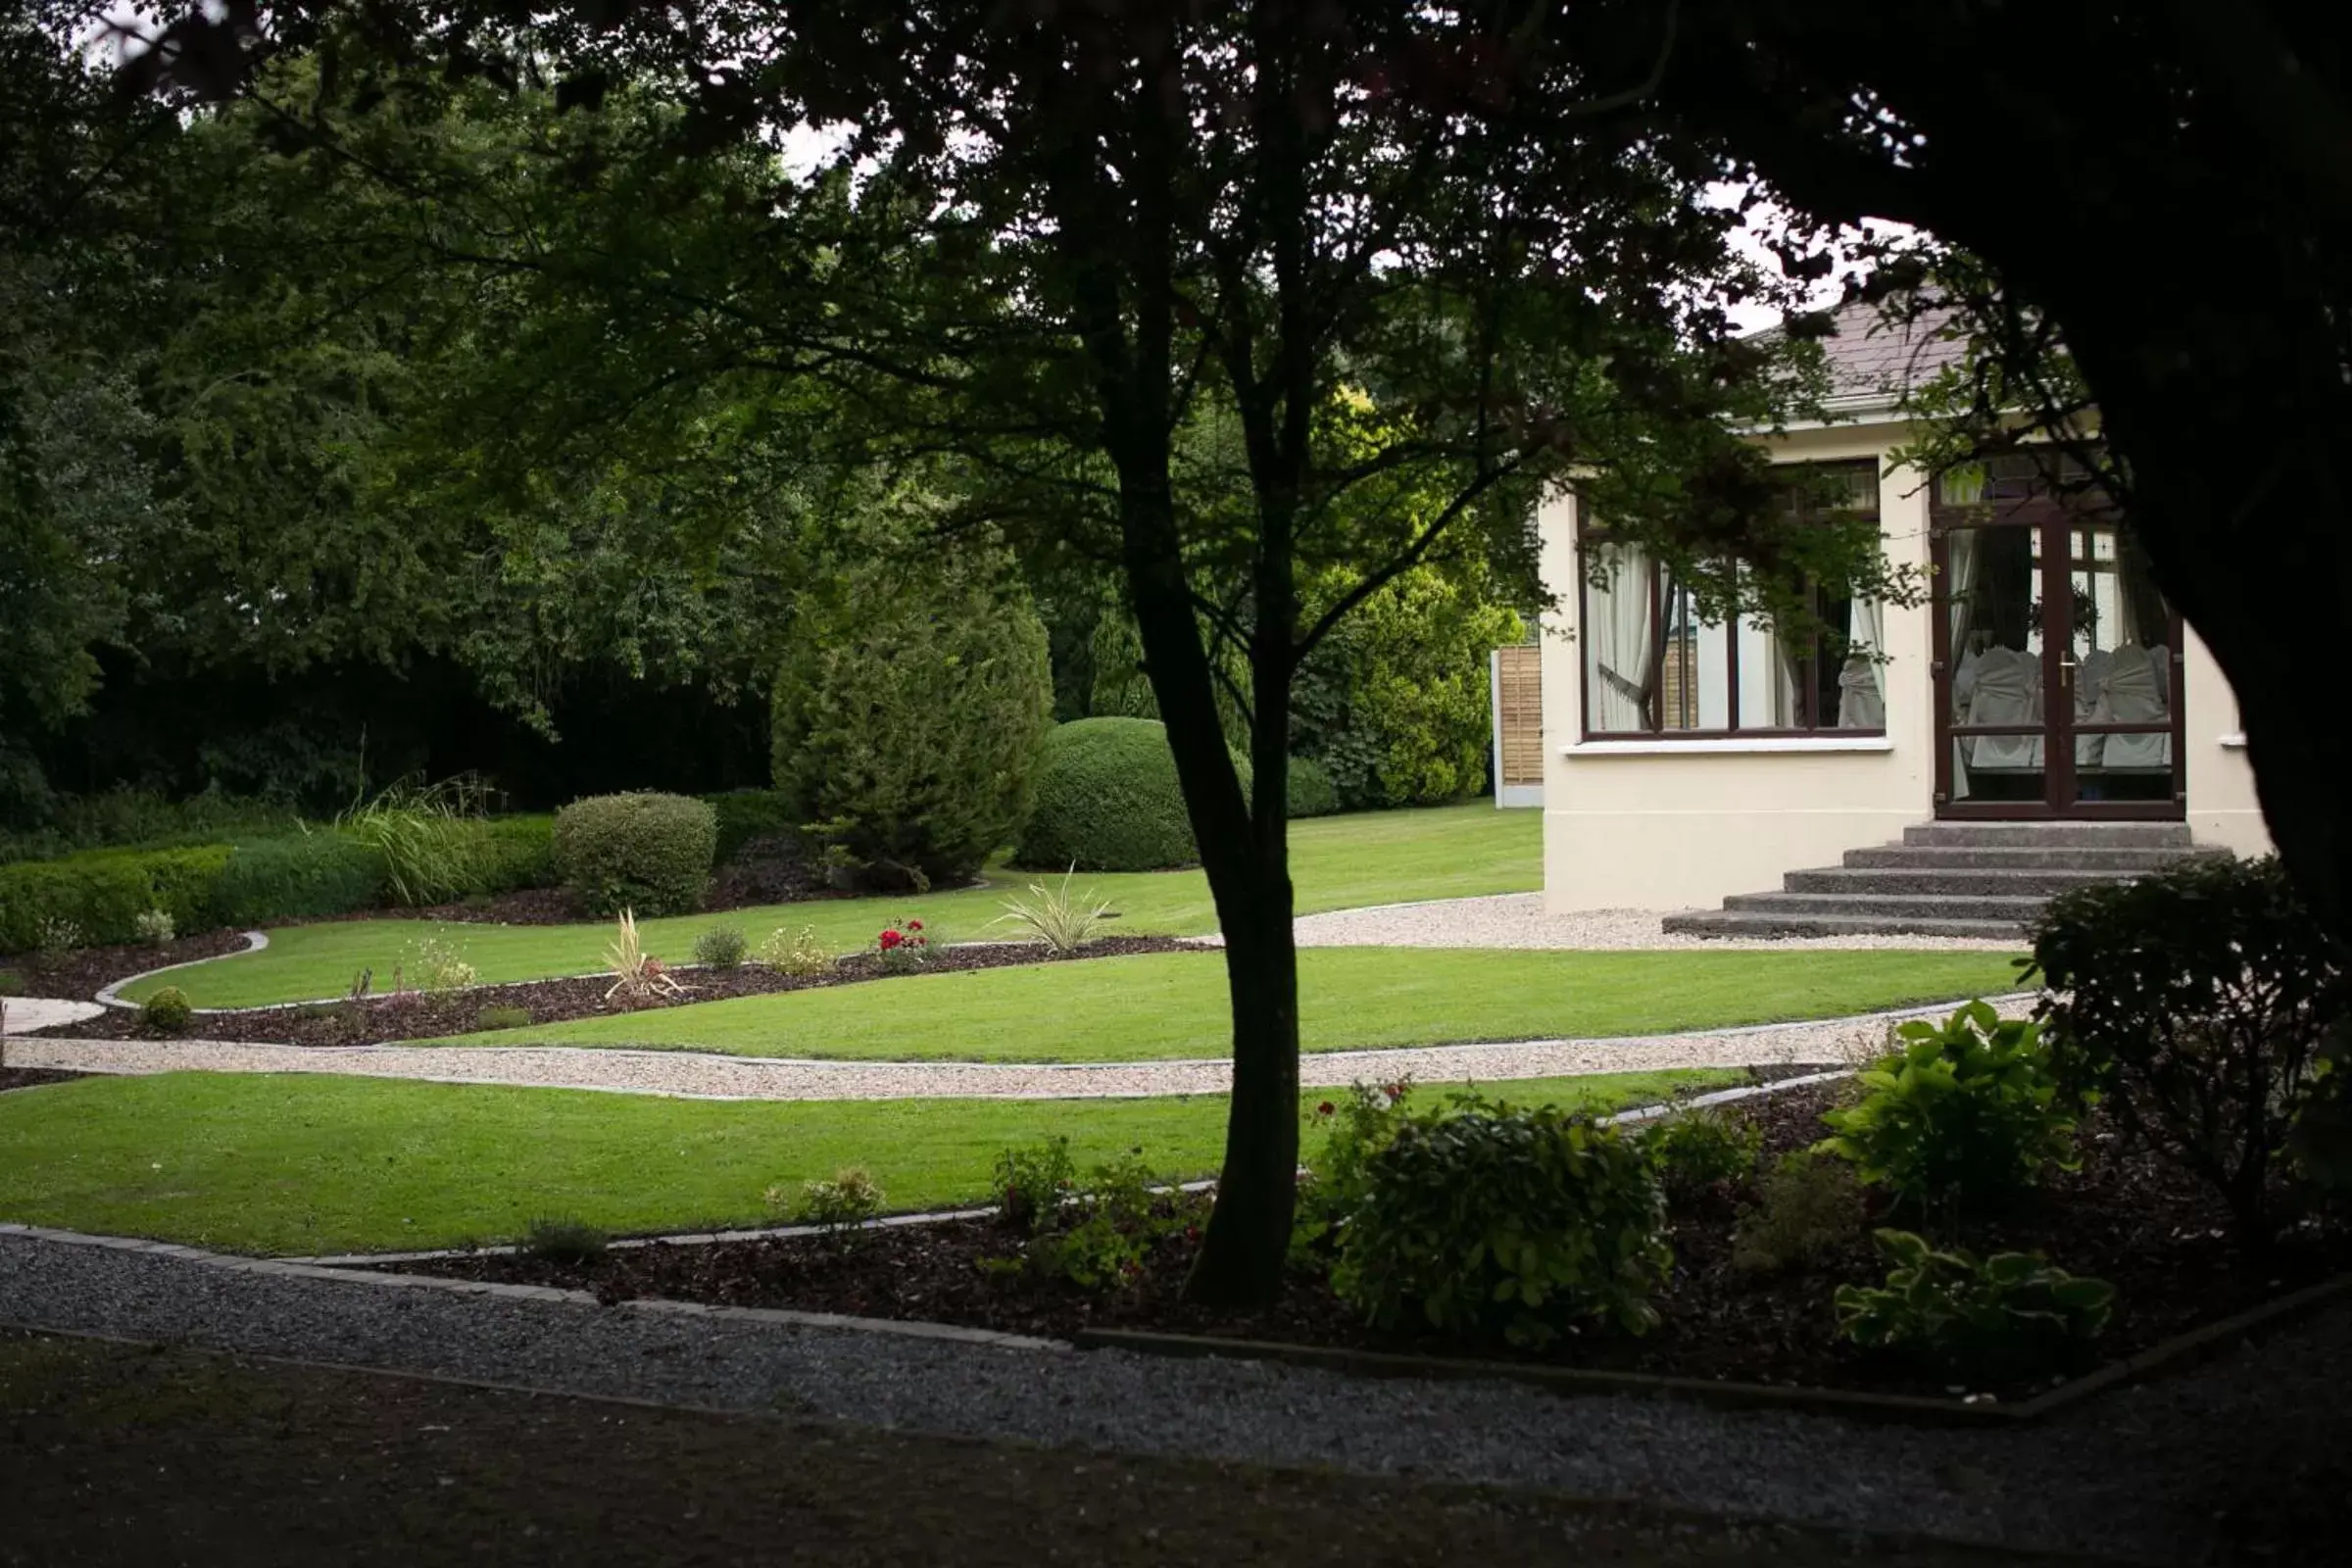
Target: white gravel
(1518, 920)
(2214, 1464)
(21, 1014)
(696, 1074)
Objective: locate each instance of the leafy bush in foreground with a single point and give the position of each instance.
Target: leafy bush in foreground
(2005, 1316)
(1492, 1220)
(2195, 1002)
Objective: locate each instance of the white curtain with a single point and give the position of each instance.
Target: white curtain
(1862, 683)
(1619, 643)
(1963, 562)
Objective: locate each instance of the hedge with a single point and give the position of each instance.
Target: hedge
(745, 815)
(516, 852)
(650, 852)
(296, 876)
(1312, 792)
(103, 893)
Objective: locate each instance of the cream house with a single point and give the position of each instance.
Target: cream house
(2043, 717)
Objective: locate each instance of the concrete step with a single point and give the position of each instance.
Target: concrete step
(2022, 858)
(1888, 907)
(1942, 881)
(2046, 835)
(1741, 923)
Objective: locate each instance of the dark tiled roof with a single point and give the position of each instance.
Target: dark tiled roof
(1870, 357)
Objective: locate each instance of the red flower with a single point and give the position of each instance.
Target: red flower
(890, 939)
(1394, 1091)
(653, 966)
(914, 925)
(1327, 1108)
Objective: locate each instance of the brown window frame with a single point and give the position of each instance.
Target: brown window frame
(1591, 538)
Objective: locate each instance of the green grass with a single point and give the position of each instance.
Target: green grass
(1337, 862)
(300, 1164)
(1168, 1004)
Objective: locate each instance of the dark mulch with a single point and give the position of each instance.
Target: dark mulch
(2126, 1218)
(29, 1077)
(419, 1016)
(79, 976)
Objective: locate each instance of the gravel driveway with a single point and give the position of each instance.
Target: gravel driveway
(2248, 1451)
(696, 1074)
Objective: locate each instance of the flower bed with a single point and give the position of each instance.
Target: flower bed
(425, 1014)
(2153, 1233)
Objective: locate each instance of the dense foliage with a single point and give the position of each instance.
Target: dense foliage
(1961, 1117)
(648, 852)
(97, 898)
(2195, 1002)
(2009, 1314)
(296, 876)
(908, 711)
(1489, 1221)
(1107, 800)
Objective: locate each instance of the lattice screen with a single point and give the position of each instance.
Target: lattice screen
(1519, 702)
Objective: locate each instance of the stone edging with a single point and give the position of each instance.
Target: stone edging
(255, 942)
(776, 1316)
(2170, 1355)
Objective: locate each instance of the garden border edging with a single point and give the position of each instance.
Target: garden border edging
(2170, 1355)
(255, 942)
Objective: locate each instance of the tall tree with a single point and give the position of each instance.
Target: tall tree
(1418, 262)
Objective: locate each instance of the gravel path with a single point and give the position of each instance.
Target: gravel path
(698, 1075)
(2245, 1452)
(44, 1013)
(1518, 920)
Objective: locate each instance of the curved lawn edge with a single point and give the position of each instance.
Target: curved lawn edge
(110, 994)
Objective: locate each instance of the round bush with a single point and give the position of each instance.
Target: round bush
(166, 1012)
(650, 852)
(908, 715)
(1312, 792)
(1108, 799)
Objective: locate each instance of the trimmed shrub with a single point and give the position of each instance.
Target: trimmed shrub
(2195, 1002)
(1961, 1117)
(908, 715)
(299, 876)
(746, 817)
(103, 893)
(167, 1013)
(1312, 793)
(563, 1240)
(648, 852)
(722, 947)
(1108, 799)
(514, 851)
(1526, 1224)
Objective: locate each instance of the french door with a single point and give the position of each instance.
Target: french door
(2057, 669)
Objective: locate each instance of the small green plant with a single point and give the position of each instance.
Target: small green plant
(1698, 1150)
(1121, 1219)
(799, 954)
(1961, 1117)
(155, 928)
(60, 938)
(1031, 1184)
(2010, 1314)
(1062, 922)
(428, 836)
(902, 947)
(437, 964)
(1492, 1220)
(1354, 1126)
(564, 1241)
(12, 984)
(842, 1206)
(637, 975)
(1808, 1206)
(167, 1013)
(722, 947)
(502, 1017)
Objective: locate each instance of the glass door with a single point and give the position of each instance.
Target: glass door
(2056, 669)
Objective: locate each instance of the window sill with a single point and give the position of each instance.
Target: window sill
(2234, 740)
(1758, 745)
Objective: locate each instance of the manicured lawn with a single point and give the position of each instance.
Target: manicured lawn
(301, 1165)
(1166, 1005)
(1338, 862)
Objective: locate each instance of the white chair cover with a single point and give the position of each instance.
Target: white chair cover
(2007, 691)
(1859, 704)
(2131, 693)
(2088, 675)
